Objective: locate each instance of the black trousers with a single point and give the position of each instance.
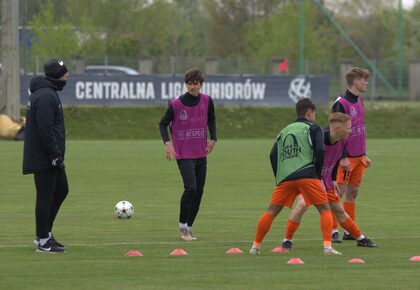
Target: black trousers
(51, 190)
(193, 172)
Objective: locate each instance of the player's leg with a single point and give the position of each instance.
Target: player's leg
(187, 170)
(293, 223)
(283, 194)
(263, 227)
(45, 183)
(350, 226)
(60, 194)
(313, 192)
(352, 189)
(200, 175)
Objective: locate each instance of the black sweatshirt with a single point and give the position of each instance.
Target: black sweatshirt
(188, 100)
(44, 132)
(317, 138)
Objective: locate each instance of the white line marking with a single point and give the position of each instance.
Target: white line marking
(139, 243)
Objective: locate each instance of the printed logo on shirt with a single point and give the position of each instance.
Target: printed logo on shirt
(353, 112)
(291, 148)
(183, 115)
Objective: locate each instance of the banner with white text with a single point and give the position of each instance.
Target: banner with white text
(159, 89)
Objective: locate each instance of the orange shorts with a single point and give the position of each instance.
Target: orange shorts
(354, 176)
(333, 196)
(311, 189)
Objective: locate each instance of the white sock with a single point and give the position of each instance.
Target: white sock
(43, 241)
(346, 232)
(334, 231)
(49, 234)
(182, 226)
(361, 237)
(285, 240)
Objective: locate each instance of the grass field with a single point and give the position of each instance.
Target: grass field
(239, 184)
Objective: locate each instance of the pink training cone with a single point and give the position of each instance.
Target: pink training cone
(179, 252)
(295, 261)
(356, 261)
(234, 251)
(134, 253)
(415, 259)
(279, 250)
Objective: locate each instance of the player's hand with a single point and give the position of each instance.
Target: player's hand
(336, 187)
(170, 151)
(210, 146)
(57, 163)
(323, 185)
(368, 162)
(345, 164)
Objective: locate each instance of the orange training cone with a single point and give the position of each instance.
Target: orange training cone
(234, 251)
(179, 252)
(295, 261)
(415, 259)
(134, 253)
(279, 250)
(356, 261)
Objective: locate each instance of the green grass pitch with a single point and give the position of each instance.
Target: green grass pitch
(239, 184)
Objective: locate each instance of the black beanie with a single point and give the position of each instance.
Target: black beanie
(55, 68)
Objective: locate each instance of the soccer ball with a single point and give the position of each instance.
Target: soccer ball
(124, 210)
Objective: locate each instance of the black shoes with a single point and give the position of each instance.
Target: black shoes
(366, 243)
(287, 245)
(348, 237)
(336, 238)
(51, 247)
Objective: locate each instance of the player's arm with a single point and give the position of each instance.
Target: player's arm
(338, 108)
(44, 111)
(274, 158)
(334, 177)
(317, 138)
(163, 128)
(211, 123)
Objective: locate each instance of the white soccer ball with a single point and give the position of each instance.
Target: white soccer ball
(124, 210)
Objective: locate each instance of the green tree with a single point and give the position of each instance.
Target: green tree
(53, 36)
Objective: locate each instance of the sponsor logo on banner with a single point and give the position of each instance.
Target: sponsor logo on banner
(299, 88)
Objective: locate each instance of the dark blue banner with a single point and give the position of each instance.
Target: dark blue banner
(159, 89)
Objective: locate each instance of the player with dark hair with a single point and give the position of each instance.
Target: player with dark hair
(188, 116)
(297, 157)
(355, 161)
(335, 141)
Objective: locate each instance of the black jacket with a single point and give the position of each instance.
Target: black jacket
(45, 132)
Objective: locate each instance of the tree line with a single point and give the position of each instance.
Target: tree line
(254, 29)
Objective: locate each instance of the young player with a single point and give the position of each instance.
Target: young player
(355, 161)
(297, 158)
(188, 117)
(335, 141)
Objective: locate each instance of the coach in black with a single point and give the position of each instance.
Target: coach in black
(44, 148)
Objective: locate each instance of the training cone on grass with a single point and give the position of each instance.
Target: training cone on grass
(134, 253)
(356, 261)
(234, 251)
(279, 250)
(415, 259)
(293, 261)
(179, 252)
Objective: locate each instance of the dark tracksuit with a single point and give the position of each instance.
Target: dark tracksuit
(45, 141)
(193, 171)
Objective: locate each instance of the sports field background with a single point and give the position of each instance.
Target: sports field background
(238, 188)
